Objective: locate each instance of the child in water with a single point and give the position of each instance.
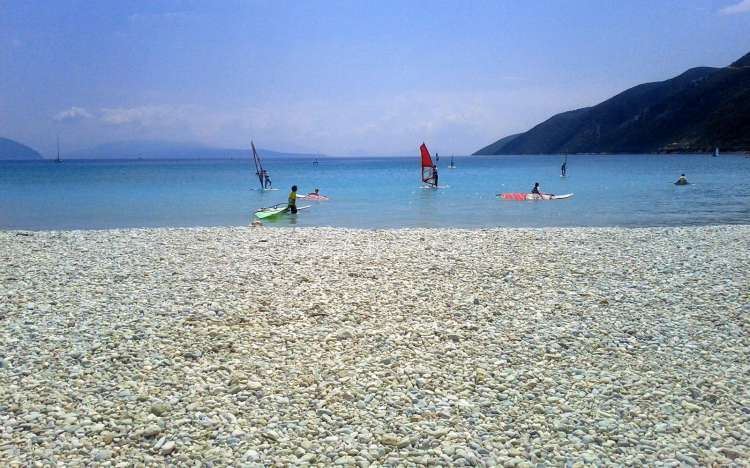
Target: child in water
(292, 202)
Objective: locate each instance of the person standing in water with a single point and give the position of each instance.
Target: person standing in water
(292, 202)
(564, 167)
(266, 179)
(435, 175)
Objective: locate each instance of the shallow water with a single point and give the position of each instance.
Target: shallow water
(622, 190)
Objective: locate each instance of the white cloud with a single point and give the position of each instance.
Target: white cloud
(743, 6)
(153, 18)
(388, 124)
(146, 116)
(72, 114)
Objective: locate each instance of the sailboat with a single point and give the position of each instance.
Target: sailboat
(716, 152)
(265, 181)
(429, 169)
(58, 160)
(452, 165)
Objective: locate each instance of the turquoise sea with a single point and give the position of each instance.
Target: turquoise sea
(621, 190)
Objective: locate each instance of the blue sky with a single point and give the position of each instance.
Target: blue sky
(337, 77)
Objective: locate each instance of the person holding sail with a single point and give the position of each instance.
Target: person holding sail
(429, 168)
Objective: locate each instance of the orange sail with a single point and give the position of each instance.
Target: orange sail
(429, 171)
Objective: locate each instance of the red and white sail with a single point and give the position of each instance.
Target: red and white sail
(429, 171)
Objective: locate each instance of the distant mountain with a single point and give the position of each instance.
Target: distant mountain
(699, 110)
(12, 150)
(495, 147)
(152, 149)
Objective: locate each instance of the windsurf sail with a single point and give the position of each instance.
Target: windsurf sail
(58, 160)
(258, 166)
(429, 172)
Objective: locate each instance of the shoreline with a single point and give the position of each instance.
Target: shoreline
(429, 346)
(355, 229)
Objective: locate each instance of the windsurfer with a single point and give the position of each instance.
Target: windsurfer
(292, 202)
(563, 168)
(429, 168)
(266, 180)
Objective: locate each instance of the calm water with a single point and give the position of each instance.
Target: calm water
(634, 190)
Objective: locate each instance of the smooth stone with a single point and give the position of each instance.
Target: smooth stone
(271, 435)
(167, 448)
(151, 430)
(102, 455)
(159, 409)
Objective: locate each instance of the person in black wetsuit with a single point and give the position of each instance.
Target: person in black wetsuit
(435, 175)
(536, 189)
(563, 168)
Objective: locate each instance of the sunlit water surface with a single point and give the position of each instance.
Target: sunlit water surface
(622, 190)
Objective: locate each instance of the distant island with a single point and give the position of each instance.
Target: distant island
(14, 151)
(702, 109)
(145, 149)
(153, 149)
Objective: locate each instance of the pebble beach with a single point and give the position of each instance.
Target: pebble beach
(322, 346)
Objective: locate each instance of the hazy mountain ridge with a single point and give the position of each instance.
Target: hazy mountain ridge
(11, 150)
(696, 111)
(152, 149)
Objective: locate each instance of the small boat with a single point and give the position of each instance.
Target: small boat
(533, 196)
(279, 208)
(452, 165)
